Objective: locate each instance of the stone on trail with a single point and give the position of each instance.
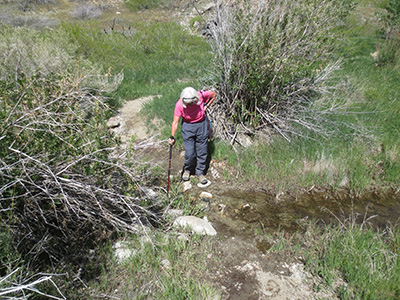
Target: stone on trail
(114, 122)
(123, 250)
(202, 186)
(197, 225)
(206, 195)
(187, 186)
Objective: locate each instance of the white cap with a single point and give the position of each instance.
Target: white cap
(189, 96)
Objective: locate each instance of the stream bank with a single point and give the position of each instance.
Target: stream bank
(242, 266)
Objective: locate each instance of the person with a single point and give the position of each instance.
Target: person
(195, 130)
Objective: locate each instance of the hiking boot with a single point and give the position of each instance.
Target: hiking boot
(186, 176)
(202, 179)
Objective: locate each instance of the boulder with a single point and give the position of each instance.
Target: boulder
(197, 225)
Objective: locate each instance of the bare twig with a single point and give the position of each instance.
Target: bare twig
(29, 285)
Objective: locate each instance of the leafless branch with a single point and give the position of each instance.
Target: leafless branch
(30, 284)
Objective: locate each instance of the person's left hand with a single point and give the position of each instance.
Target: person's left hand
(171, 141)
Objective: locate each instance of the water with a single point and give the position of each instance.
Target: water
(240, 213)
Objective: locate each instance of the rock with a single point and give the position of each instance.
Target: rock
(187, 186)
(113, 122)
(202, 186)
(206, 195)
(197, 225)
(166, 264)
(244, 140)
(222, 209)
(123, 250)
(246, 207)
(150, 193)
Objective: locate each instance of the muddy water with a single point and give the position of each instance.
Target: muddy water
(246, 269)
(240, 213)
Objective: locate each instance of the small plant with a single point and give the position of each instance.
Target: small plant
(87, 12)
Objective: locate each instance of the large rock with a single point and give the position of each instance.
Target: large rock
(123, 251)
(197, 225)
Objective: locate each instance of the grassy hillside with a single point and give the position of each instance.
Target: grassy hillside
(59, 84)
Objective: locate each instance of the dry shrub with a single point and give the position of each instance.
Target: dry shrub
(57, 177)
(87, 11)
(62, 192)
(273, 60)
(28, 53)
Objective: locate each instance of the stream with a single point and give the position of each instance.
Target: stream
(247, 270)
(243, 211)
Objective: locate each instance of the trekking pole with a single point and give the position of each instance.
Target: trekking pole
(169, 168)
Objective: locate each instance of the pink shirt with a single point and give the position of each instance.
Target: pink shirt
(192, 113)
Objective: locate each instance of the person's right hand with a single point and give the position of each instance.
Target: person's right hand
(171, 141)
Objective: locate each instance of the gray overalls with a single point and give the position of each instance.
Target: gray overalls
(195, 140)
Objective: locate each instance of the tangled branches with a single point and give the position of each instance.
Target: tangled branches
(58, 182)
(273, 63)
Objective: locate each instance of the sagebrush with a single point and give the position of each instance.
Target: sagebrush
(273, 59)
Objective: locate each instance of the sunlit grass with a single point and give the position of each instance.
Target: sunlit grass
(355, 260)
(161, 268)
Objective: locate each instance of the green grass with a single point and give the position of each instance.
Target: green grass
(154, 58)
(360, 262)
(368, 159)
(369, 262)
(158, 59)
(165, 268)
